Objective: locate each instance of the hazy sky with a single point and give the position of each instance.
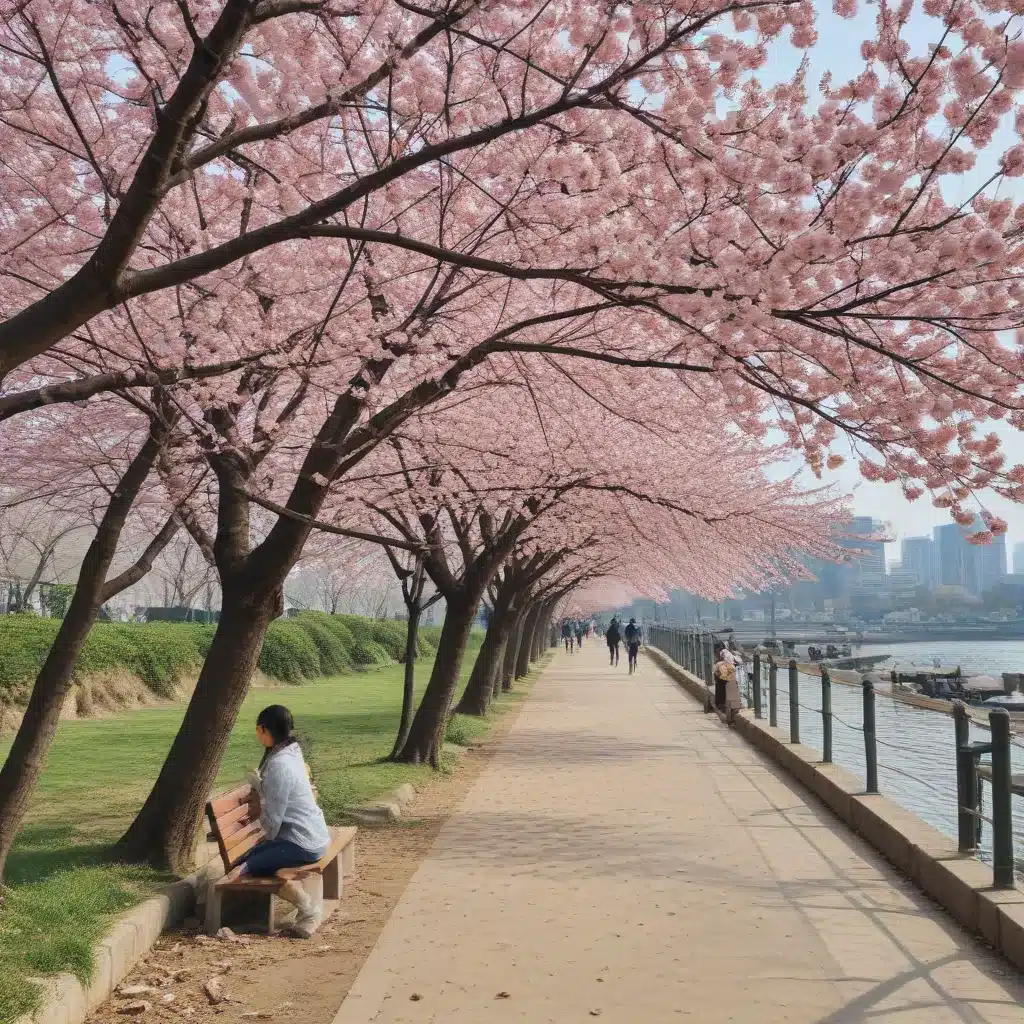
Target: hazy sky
(838, 51)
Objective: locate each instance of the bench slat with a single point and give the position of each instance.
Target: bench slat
(229, 801)
(252, 833)
(227, 822)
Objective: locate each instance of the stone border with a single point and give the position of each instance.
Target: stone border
(958, 882)
(66, 1001)
(389, 808)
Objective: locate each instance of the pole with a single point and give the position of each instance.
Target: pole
(794, 702)
(826, 715)
(773, 692)
(870, 746)
(1002, 805)
(757, 685)
(966, 779)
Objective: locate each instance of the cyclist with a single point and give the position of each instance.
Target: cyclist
(634, 637)
(614, 638)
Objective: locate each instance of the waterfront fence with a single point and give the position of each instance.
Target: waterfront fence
(694, 650)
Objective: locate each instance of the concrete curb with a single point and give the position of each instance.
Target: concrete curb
(958, 882)
(66, 1001)
(389, 808)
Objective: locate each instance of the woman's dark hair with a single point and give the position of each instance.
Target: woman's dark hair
(278, 721)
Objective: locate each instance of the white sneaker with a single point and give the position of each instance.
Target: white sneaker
(307, 921)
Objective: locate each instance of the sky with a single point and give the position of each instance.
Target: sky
(838, 51)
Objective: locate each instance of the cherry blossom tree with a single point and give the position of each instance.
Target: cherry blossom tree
(102, 474)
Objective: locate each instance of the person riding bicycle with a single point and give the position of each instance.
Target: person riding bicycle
(634, 637)
(614, 638)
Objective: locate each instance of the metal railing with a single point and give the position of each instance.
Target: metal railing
(694, 650)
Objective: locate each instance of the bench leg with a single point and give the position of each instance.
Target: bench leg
(252, 911)
(213, 911)
(333, 880)
(348, 860)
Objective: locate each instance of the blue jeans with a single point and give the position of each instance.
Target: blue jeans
(267, 857)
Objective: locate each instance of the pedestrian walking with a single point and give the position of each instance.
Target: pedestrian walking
(567, 636)
(613, 638)
(634, 637)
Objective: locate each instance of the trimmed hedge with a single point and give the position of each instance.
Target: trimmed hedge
(308, 646)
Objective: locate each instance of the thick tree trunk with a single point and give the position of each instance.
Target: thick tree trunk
(24, 763)
(408, 680)
(508, 663)
(526, 644)
(481, 686)
(164, 831)
(426, 736)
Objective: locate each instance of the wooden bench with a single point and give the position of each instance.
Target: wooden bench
(251, 900)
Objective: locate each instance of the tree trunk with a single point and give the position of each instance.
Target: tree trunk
(477, 698)
(508, 664)
(499, 662)
(408, 680)
(539, 633)
(526, 644)
(164, 831)
(426, 736)
(24, 763)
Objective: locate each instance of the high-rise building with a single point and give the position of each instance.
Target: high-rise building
(919, 559)
(867, 569)
(1018, 559)
(957, 563)
(975, 567)
(993, 563)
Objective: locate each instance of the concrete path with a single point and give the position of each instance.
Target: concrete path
(625, 856)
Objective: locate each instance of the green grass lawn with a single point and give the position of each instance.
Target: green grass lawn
(63, 891)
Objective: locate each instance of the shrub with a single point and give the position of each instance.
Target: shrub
(289, 653)
(335, 653)
(309, 645)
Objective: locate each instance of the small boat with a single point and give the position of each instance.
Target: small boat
(862, 662)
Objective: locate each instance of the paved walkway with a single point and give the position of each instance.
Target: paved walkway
(625, 856)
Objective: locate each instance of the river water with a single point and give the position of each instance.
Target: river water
(916, 747)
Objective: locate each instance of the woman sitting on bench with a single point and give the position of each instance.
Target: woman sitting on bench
(294, 826)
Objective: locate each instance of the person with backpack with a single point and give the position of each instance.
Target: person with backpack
(634, 637)
(613, 638)
(727, 693)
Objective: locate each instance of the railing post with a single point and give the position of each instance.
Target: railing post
(1002, 805)
(870, 746)
(794, 702)
(966, 780)
(773, 692)
(757, 684)
(826, 715)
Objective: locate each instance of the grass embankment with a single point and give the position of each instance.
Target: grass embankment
(63, 892)
(162, 655)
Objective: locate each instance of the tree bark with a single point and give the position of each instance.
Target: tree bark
(539, 633)
(476, 700)
(426, 736)
(164, 831)
(24, 764)
(508, 664)
(526, 643)
(408, 679)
